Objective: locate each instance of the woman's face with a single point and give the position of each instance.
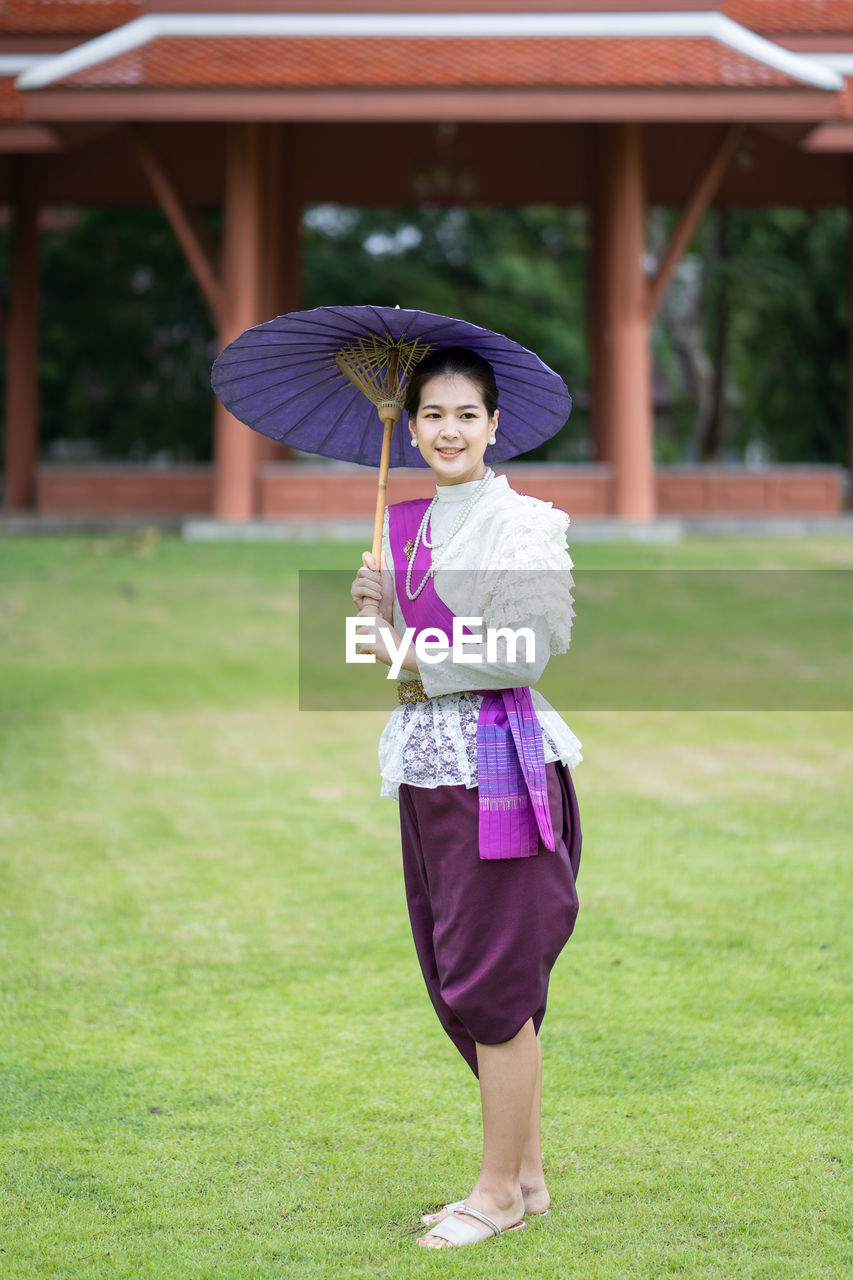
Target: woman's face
(452, 428)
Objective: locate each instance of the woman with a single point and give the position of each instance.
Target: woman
(489, 822)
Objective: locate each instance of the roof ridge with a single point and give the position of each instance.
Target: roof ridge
(666, 25)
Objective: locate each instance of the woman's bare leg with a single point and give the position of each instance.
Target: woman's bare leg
(509, 1083)
(533, 1189)
(536, 1198)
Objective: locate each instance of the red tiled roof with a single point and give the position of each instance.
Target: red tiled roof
(66, 17)
(792, 17)
(280, 62)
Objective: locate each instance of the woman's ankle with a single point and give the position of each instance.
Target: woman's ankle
(535, 1194)
(501, 1194)
(532, 1176)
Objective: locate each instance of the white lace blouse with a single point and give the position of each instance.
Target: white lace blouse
(434, 743)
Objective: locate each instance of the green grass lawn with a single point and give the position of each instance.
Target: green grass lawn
(217, 1057)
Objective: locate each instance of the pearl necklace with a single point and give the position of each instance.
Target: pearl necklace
(439, 547)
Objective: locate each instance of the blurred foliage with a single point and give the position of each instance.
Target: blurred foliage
(787, 281)
(518, 270)
(126, 339)
(769, 290)
(128, 343)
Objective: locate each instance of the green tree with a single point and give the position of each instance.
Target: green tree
(786, 277)
(126, 338)
(517, 270)
(128, 342)
(752, 337)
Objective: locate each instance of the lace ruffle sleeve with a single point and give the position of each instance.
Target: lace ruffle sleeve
(530, 573)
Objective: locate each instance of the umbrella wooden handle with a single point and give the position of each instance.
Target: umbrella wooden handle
(384, 462)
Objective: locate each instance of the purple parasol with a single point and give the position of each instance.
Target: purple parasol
(316, 379)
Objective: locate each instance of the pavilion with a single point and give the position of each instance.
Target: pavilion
(193, 103)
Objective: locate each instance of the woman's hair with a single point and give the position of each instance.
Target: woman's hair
(458, 361)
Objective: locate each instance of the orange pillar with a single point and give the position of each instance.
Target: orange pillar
(281, 234)
(850, 316)
(22, 346)
(623, 379)
(282, 217)
(599, 413)
(235, 445)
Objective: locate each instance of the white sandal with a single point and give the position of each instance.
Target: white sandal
(430, 1219)
(456, 1232)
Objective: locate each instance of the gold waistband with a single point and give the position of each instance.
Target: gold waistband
(411, 691)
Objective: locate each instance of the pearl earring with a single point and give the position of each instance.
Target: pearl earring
(492, 438)
(413, 441)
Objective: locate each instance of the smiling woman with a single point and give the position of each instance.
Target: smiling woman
(452, 403)
(480, 765)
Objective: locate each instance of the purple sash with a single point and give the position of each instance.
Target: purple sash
(511, 777)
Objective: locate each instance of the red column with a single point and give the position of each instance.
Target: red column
(281, 232)
(282, 218)
(22, 346)
(235, 444)
(850, 315)
(623, 376)
(599, 412)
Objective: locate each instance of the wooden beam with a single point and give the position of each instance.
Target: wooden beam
(236, 445)
(505, 105)
(599, 415)
(623, 380)
(280, 237)
(849, 311)
(697, 203)
(22, 337)
(182, 223)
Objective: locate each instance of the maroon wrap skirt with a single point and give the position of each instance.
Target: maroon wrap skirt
(487, 933)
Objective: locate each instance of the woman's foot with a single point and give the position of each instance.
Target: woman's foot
(465, 1226)
(536, 1203)
(508, 1215)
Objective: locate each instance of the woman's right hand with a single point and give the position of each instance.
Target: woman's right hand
(373, 589)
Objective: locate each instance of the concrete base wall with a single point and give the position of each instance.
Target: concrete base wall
(710, 490)
(123, 490)
(288, 489)
(304, 489)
